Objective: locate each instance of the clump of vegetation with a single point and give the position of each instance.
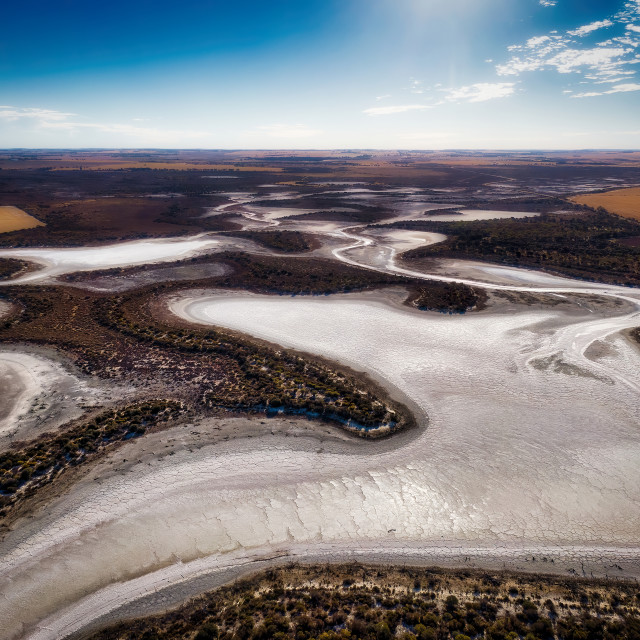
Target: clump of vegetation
(268, 274)
(363, 215)
(31, 306)
(119, 338)
(308, 276)
(272, 274)
(357, 602)
(27, 466)
(283, 241)
(9, 267)
(588, 245)
(263, 379)
(447, 297)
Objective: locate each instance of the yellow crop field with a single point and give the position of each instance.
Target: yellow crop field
(624, 202)
(14, 219)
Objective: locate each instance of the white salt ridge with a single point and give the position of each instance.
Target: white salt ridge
(60, 261)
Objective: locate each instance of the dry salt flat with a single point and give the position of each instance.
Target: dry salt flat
(530, 449)
(56, 261)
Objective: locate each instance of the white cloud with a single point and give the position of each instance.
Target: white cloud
(534, 43)
(588, 28)
(618, 88)
(384, 97)
(286, 131)
(575, 52)
(599, 59)
(416, 86)
(548, 3)
(385, 111)
(478, 92)
(15, 113)
(481, 92)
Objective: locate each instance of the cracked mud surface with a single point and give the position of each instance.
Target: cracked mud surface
(517, 462)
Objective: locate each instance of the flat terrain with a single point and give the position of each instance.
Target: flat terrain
(624, 202)
(218, 362)
(14, 219)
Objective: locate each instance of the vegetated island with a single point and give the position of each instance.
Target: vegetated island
(593, 245)
(300, 276)
(360, 602)
(282, 241)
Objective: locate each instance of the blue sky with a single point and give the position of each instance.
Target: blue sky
(413, 74)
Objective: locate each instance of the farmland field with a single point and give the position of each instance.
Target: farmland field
(624, 202)
(14, 219)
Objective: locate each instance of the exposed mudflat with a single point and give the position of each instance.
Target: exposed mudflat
(59, 261)
(510, 467)
(40, 392)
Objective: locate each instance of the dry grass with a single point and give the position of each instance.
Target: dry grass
(14, 219)
(624, 202)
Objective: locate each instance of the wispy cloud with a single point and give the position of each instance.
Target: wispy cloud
(577, 51)
(8, 112)
(588, 28)
(416, 86)
(439, 95)
(618, 88)
(50, 119)
(481, 92)
(391, 109)
(548, 3)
